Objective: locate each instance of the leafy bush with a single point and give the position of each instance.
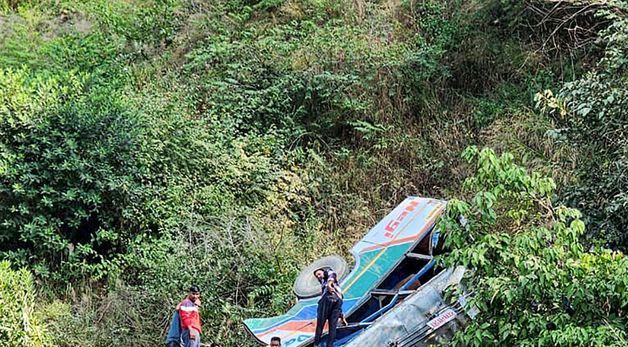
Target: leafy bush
(65, 149)
(532, 280)
(598, 125)
(591, 111)
(18, 326)
(82, 172)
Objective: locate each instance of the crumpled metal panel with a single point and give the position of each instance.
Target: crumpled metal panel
(411, 315)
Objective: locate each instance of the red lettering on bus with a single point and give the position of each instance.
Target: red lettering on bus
(393, 224)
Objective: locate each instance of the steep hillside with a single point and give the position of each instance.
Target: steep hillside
(146, 145)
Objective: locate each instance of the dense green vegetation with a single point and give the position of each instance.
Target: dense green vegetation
(149, 144)
(17, 297)
(534, 283)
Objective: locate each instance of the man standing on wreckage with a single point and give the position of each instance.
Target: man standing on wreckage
(329, 306)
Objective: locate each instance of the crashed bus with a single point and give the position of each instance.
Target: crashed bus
(393, 296)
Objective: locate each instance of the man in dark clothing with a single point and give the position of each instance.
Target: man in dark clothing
(173, 339)
(329, 306)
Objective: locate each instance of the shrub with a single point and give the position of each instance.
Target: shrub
(592, 118)
(533, 283)
(67, 169)
(18, 326)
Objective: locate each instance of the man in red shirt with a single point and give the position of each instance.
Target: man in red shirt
(191, 318)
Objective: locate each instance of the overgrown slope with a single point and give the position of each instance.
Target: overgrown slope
(149, 144)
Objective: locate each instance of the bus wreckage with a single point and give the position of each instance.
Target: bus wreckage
(393, 296)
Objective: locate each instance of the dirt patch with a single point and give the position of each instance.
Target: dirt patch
(66, 23)
(8, 25)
